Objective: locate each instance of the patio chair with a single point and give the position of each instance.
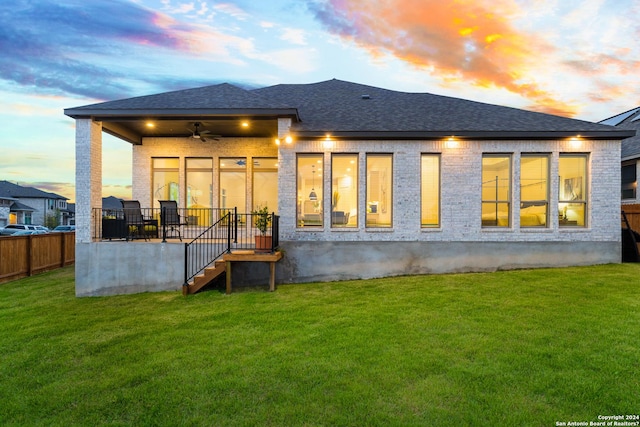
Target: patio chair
(170, 217)
(137, 225)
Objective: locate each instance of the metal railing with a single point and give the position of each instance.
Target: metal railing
(110, 224)
(209, 233)
(257, 232)
(210, 245)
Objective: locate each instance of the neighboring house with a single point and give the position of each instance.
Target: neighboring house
(111, 202)
(367, 182)
(21, 214)
(71, 209)
(33, 206)
(630, 154)
(5, 211)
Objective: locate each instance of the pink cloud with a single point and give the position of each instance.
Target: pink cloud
(455, 39)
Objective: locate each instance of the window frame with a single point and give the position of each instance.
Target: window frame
(497, 201)
(629, 185)
(563, 221)
(165, 169)
(256, 170)
(386, 202)
(335, 220)
(524, 204)
(437, 224)
(318, 208)
(193, 169)
(224, 170)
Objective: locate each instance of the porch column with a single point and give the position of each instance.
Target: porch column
(88, 176)
(286, 184)
(284, 127)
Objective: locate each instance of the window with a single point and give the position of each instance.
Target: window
(344, 190)
(629, 180)
(430, 190)
(165, 179)
(310, 190)
(265, 183)
(379, 184)
(496, 190)
(199, 183)
(572, 206)
(233, 183)
(534, 190)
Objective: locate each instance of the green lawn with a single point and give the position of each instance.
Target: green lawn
(513, 348)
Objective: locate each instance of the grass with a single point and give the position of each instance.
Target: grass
(525, 348)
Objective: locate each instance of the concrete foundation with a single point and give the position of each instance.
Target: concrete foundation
(110, 268)
(327, 261)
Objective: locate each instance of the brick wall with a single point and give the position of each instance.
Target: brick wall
(460, 185)
(461, 169)
(186, 147)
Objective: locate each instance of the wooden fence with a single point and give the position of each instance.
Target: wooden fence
(633, 216)
(22, 256)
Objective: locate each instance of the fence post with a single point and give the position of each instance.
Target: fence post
(30, 255)
(63, 248)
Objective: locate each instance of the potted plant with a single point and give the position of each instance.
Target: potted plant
(262, 221)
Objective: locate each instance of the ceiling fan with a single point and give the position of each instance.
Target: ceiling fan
(202, 135)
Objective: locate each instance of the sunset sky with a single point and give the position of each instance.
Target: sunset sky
(576, 58)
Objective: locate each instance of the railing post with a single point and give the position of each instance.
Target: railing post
(185, 285)
(164, 225)
(229, 233)
(235, 224)
(273, 227)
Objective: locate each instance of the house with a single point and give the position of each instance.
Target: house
(630, 154)
(5, 211)
(366, 182)
(33, 206)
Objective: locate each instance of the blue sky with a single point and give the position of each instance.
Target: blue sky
(577, 58)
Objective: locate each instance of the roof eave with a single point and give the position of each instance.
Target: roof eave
(480, 135)
(176, 114)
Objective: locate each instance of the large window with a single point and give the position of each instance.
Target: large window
(199, 183)
(534, 190)
(165, 179)
(496, 190)
(265, 183)
(430, 190)
(344, 190)
(629, 180)
(572, 207)
(233, 183)
(310, 190)
(379, 185)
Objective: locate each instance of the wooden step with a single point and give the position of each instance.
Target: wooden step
(208, 275)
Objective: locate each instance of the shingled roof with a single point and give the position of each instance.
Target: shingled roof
(9, 189)
(628, 120)
(359, 111)
(350, 107)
